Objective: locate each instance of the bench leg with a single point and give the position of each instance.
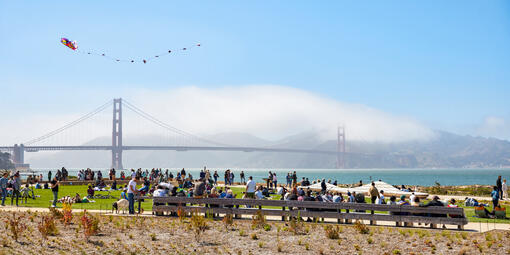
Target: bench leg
(283, 216)
(433, 225)
(372, 222)
(398, 224)
(460, 227)
(347, 221)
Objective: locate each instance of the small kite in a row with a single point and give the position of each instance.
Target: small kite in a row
(74, 46)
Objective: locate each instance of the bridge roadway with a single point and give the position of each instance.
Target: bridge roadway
(172, 148)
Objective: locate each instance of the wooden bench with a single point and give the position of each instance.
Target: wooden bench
(343, 212)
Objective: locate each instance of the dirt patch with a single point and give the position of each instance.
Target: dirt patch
(171, 235)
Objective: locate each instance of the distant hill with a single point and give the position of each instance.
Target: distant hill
(445, 150)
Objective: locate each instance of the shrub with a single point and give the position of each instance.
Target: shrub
(254, 236)
(198, 224)
(331, 232)
(90, 224)
(279, 247)
(361, 227)
(396, 252)
(228, 220)
(258, 220)
(261, 244)
(181, 213)
(16, 225)
(297, 226)
(57, 214)
(47, 227)
(153, 237)
(67, 213)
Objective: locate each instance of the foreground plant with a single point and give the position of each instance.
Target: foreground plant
(67, 213)
(90, 225)
(16, 225)
(47, 227)
(198, 224)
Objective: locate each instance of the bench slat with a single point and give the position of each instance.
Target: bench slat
(313, 204)
(320, 214)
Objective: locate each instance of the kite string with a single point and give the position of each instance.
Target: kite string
(133, 60)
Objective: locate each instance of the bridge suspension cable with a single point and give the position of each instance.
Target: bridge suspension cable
(164, 125)
(70, 124)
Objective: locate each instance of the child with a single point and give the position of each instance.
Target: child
(123, 194)
(25, 193)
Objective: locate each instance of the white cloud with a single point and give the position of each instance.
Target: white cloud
(494, 126)
(274, 112)
(267, 111)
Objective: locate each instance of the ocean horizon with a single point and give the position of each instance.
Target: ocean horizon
(421, 176)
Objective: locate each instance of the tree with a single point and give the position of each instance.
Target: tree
(5, 161)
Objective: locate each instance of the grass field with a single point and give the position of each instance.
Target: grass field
(44, 201)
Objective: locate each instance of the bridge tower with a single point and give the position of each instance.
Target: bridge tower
(18, 154)
(117, 134)
(340, 147)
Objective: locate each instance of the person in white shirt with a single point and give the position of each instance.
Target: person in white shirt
(411, 198)
(131, 194)
(380, 200)
(258, 193)
(504, 188)
(250, 188)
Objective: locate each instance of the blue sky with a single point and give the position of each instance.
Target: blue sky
(443, 63)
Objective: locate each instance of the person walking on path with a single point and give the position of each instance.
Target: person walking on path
(16, 187)
(3, 186)
(504, 188)
(374, 193)
(500, 187)
(131, 194)
(54, 188)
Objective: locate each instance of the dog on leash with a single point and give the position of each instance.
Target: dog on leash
(122, 204)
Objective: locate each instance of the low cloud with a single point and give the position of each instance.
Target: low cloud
(273, 112)
(270, 112)
(494, 126)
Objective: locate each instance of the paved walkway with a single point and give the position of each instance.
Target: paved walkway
(471, 226)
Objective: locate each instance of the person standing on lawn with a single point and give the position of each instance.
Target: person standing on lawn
(500, 187)
(505, 190)
(54, 188)
(16, 187)
(3, 186)
(131, 194)
(495, 198)
(49, 176)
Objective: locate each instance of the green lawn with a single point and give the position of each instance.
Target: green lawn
(44, 201)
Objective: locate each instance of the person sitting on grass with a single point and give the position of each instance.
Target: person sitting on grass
(77, 198)
(146, 186)
(350, 196)
(123, 194)
(338, 198)
(258, 193)
(90, 191)
(199, 190)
